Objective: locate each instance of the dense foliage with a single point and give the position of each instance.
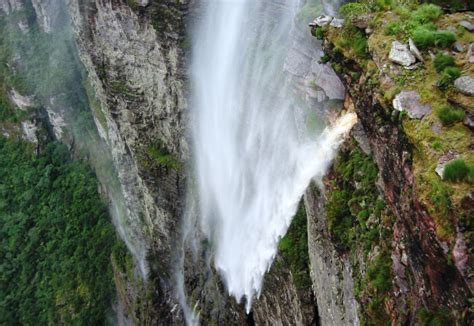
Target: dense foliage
(294, 249)
(353, 200)
(55, 239)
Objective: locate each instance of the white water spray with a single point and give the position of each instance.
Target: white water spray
(252, 163)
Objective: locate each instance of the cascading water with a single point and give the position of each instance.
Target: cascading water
(253, 160)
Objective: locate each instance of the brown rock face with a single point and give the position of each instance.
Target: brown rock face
(423, 273)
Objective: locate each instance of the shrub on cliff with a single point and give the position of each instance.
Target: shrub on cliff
(443, 61)
(426, 13)
(458, 170)
(449, 115)
(353, 9)
(294, 249)
(448, 77)
(425, 38)
(419, 24)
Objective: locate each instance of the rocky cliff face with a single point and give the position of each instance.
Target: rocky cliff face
(134, 56)
(387, 239)
(420, 240)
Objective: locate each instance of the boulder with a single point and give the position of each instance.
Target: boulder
(458, 47)
(321, 21)
(401, 54)
(465, 85)
(362, 21)
(467, 25)
(337, 22)
(443, 160)
(469, 121)
(414, 50)
(409, 101)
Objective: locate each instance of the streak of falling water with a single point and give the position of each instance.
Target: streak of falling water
(252, 164)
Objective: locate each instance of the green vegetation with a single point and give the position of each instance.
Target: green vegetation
(294, 249)
(448, 77)
(458, 170)
(353, 9)
(449, 115)
(375, 285)
(443, 61)
(122, 257)
(358, 221)
(133, 4)
(425, 38)
(354, 39)
(319, 33)
(353, 201)
(379, 273)
(440, 199)
(440, 317)
(55, 239)
(160, 155)
(418, 24)
(340, 220)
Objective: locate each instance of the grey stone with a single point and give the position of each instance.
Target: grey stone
(465, 85)
(362, 21)
(321, 21)
(29, 129)
(436, 128)
(361, 137)
(467, 25)
(469, 56)
(458, 47)
(469, 121)
(451, 29)
(414, 50)
(443, 160)
(401, 54)
(326, 79)
(470, 49)
(337, 22)
(409, 101)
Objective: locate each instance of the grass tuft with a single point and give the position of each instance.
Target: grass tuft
(458, 170)
(448, 115)
(443, 61)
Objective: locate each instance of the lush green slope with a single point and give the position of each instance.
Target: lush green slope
(55, 239)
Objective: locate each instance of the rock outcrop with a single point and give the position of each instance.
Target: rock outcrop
(419, 237)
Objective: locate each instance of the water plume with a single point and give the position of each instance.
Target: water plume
(253, 160)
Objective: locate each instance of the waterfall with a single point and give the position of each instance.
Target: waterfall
(253, 161)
